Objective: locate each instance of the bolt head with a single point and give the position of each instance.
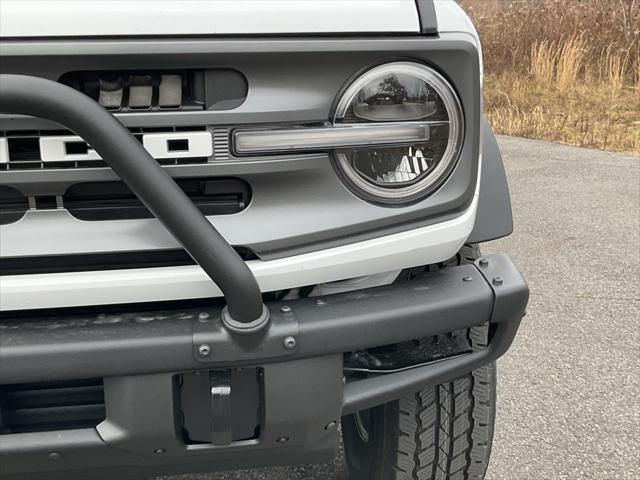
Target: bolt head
(483, 262)
(320, 302)
(282, 440)
(289, 342)
(285, 309)
(204, 350)
(203, 317)
(331, 426)
(159, 451)
(54, 456)
(467, 279)
(497, 281)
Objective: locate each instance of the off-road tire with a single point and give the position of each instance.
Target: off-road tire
(440, 433)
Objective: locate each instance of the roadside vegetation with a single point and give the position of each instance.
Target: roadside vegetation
(562, 70)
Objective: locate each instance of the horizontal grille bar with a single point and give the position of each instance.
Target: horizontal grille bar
(22, 150)
(103, 261)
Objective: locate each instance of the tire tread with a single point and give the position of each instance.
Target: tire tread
(445, 432)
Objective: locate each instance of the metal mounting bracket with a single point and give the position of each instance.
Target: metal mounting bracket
(213, 343)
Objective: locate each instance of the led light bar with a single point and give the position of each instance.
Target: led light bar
(329, 138)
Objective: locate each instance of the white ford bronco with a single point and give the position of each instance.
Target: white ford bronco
(233, 230)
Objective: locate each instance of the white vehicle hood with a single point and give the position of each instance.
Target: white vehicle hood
(108, 18)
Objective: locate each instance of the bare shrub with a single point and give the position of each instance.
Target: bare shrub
(615, 65)
(544, 60)
(511, 28)
(562, 70)
(571, 60)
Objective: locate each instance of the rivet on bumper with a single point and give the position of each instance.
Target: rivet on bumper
(289, 342)
(204, 350)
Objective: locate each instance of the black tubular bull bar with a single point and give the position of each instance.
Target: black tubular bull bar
(37, 97)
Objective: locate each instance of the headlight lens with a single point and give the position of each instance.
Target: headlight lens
(401, 92)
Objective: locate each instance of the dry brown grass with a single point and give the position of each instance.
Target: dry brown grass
(563, 70)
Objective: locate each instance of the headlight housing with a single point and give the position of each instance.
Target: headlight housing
(403, 93)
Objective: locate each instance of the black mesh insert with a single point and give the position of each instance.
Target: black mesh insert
(51, 406)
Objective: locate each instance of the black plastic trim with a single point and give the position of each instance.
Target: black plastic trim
(494, 218)
(51, 406)
(138, 439)
(93, 262)
(437, 302)
(96, 201)
(304, 394)
(13, 205)
(428, 17)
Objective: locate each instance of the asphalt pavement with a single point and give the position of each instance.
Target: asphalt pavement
(569, 388)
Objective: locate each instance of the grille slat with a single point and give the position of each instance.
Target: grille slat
(55, 397)
(56, 418)
(44, 407)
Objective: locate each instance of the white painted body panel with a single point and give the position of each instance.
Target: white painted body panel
(52, 149)
(200, 144)
(95, 18)
(4, 150)
(420, 246)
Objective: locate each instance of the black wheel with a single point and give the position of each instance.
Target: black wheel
(440, 433)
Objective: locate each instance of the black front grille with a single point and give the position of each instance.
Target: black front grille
(115, 201)
(130, 91)
(51, 406)
(13, 205)
(95, 201)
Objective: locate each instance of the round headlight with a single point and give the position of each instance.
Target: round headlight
(406, 93)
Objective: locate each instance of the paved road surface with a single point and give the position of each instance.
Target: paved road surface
(569, 389)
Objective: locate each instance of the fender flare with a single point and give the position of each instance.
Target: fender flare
(494, 217)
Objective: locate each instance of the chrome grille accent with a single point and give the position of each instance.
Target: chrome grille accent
(221, 143)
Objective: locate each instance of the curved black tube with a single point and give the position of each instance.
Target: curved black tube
(50, 100)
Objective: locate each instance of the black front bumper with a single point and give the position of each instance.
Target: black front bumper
(302, 389)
